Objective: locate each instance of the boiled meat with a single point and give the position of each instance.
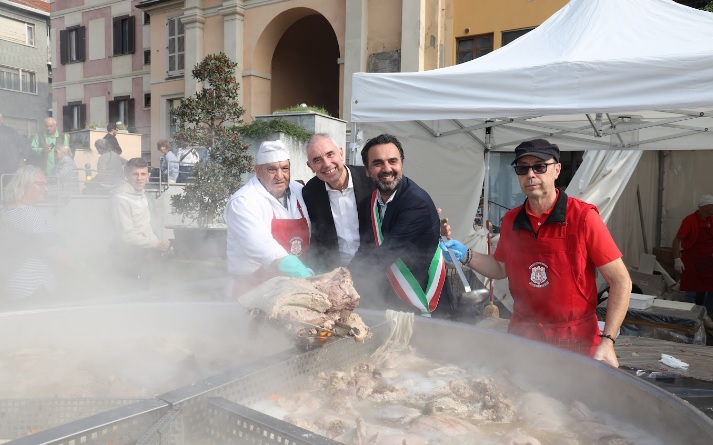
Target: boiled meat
(323, 301)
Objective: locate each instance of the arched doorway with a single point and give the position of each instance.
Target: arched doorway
(305, 66)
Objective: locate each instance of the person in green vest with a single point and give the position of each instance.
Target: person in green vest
(44, 143)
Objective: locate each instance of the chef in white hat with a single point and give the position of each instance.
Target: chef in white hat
(268, 223)
(692, 250)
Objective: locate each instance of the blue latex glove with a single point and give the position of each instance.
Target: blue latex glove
(293, 267)
(459, 250)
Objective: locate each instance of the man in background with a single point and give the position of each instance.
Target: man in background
(332, 199)
(112, 142)
(169, 162)
(268, 223)
(692, 250)
(135, 247)
(43, 144)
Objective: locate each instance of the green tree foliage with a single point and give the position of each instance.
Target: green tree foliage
(708, 7)
(211, 118)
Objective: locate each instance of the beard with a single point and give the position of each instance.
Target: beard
(387, 188)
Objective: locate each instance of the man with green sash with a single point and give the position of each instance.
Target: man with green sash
(44, 143)
(398, 265)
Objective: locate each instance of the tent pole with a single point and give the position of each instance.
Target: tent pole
(351, 159)
(486, 180)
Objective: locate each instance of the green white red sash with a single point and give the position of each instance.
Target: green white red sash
(401, 278)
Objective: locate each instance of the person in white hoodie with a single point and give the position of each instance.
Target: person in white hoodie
(135, 244)
(268, 223)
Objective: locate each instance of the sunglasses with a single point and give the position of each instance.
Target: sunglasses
(537, 168)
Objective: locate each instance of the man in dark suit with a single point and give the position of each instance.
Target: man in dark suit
(332, 199)
(398, 264)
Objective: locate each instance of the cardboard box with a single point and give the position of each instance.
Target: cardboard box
(640, 301)
(650, 284)
(664, 255)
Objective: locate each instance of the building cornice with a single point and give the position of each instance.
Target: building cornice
(159, 6)
(25, 8)
(99, 79)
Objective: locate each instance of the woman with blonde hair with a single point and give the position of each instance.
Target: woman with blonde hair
(30, 247)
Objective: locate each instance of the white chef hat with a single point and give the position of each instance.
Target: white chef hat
(705, 200)
(271, 151)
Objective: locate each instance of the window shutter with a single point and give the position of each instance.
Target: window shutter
(63, 47)
(82, 116)
(113, 111)
(81, 44)
(130, 113)
(132, 34)
(66, 118)
(117, 36)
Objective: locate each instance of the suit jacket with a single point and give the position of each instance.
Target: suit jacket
(324, 245)
(411, 231)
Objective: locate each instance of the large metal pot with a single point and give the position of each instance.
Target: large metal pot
(213, 411)
(64, 363)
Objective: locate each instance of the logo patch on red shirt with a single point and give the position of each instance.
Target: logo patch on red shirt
(538, 274)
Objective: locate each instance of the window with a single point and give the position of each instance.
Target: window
(124, 35)
(147, 100)
(172, 120)
(17, 31)
(121, 109)
(470, 48)
(176, 46)
(30, 34)
(16, 79)
(74, 116)
(72, 45)
(510, 36)
(147, 57)
(147, 18)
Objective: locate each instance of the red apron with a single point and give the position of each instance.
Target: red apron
(554, 286)
(698, 260)
(292, 235)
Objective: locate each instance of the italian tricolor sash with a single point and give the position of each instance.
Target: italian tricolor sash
(401, 278)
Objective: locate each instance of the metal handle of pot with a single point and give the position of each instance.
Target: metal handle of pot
(456, 264)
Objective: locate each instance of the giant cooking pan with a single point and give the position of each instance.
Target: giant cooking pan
(214, 411)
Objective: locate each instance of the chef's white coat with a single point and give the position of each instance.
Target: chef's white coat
(249, 214)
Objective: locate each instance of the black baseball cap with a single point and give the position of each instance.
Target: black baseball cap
(540, 148)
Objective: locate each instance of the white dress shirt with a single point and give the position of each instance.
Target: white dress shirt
(346, 221)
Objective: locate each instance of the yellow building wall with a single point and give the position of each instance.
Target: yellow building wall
(384, 26)
(474, 17)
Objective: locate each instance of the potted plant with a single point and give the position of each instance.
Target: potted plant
(210, 118)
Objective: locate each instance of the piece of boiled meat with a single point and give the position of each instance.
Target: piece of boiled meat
(442, 424)
(325, 300)
(519, 437)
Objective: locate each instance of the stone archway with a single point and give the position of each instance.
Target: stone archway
(305, 66)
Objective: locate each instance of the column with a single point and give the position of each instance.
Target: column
(355, 50)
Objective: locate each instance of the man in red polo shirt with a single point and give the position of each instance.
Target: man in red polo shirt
(549, 250)
(693, 253)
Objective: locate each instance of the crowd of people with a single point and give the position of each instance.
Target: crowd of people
(373, 220)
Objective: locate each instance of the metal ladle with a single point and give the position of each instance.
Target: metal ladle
(476, 296)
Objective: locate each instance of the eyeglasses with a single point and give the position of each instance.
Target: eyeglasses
(537, 168)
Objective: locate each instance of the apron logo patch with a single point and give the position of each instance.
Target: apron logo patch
(296, 246)
(538, 274)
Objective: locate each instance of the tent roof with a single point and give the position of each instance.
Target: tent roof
(603, 56)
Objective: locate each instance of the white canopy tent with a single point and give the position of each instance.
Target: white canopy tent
(628, 76)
